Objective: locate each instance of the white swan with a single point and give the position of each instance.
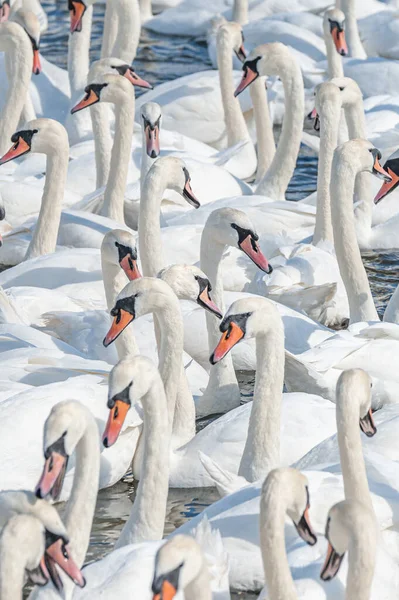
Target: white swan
(222, 440)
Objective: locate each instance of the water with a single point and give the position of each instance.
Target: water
(161, 59)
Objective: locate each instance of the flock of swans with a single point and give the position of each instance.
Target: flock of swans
(148, 252)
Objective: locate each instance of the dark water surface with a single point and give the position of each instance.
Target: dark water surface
(161, 59)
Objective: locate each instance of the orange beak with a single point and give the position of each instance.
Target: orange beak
(88, 100)
(206, 301)
(387, 186)
(76, 15)
(120, 322)
(248, 77)
(168, 591)
(52, 477)
(4, 12)
(331, 564)
(116, 418)
(367, 424)
(129, 265)
(137, 80)
(58, 552)
(340, 42)
(18, 149)
(37, 67)
(313, 114)
(152, 139)
(229, 339)
(380, 172)
(253, 251)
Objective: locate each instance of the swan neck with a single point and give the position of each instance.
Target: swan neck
(150, 241)
(262, 447)
(236, 127)
(329, 124)
(12, 571)
(199, 588)
(278, 576)
(334, 60)
(361, 304)
(145, 10)
(146, 161)
(44, 239)
(100, 120)
(266, 147)
(361, 562)
(114, 195)
(78, 54)
(274, 184)
(355, 46)
(240, 12)
(122, 25)
(147, 517)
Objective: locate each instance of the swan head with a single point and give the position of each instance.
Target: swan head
(334, 26)
(177, 563)
(173, 171)
(63, 429)
(331, 96)
(40, 550)
(391, 166)
(246, 318)
(347, 522)
(356, 384)
(109, 88)
(77, 9)
(4, 11)
(119, 247)
(230, 35)
(360, 155)
(267, 59)
(232, 227)
(138, 298)
(30, 23)
(151, 115)
(116, 66)
(190, 283)
(129, 381)
(43, 136)
(292, 488)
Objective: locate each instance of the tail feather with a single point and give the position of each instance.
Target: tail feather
(225, 482)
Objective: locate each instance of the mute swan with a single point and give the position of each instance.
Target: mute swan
(27, 547)
(180, 564)
(8, 8)
(237, 515)
(223, 439)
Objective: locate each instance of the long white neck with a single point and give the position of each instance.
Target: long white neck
(12, 570)
(236, 127)
(334, 60)
(266, 147)
(361, 305)
(361, 559)
(274, 184)
(262, 447)
(273, 508)
(146, 10)
(28, 111)
(114, 195)
(147, 517)
(114, 281)
(355, 46)
(100, 120)
(199, 588)
(146, 161)
(44, 239)
(350, 446)
(15, 42)
(222, 377)
(78, 54)
(330, 115)
(240, 12)
(122, 25)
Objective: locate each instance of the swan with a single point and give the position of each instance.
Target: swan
(180, 564)
(25, 548)
(216, 440)
(325, 487)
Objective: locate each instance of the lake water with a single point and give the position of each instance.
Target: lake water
(161, 59)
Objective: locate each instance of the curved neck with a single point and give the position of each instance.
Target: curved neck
(102, 141)
(78, 54)
(240, 12)
(350, 448)
(114, 281)
(355, 46)
(114, 195)
(236, 127)
(122, 25)
(330, 115)
(334, 60)
(150, 241)
(18, 46)
(361, 560)
(273, 507)
(28, 112)
(361, 305)
(266, 147)
(147, 517)
(199, 588)
(274, 184)
(222, 377)
(44, 239)
(262, 447)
